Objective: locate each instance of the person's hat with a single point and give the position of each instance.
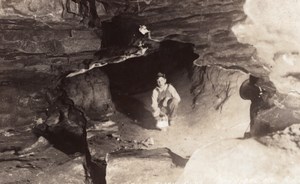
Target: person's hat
(161, 75)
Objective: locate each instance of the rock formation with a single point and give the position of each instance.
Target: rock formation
(211, 164)
(67, 65)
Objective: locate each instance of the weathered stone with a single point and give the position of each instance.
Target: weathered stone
(15, 139)
(277, 51)
(51, 42)
(27, 168)
(287, 139)
(273, 119)
(36, 52)
(90, 92)
(269, 111)
(39, 145)
(23, 102)
(205, 24)
(212, 86)
(241, 161)
(102, 143)
(144, 166)
(68, 134)
(107, 128)
(52, 10)
(70, 172)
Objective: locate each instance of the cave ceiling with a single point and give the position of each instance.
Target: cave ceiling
(61, 36)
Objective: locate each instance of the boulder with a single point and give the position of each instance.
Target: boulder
(241, 161)
(32, 165)
(287, 139)
(71, 172)
(277, 52)
(144, 166)
(23, 99)
(90, 92)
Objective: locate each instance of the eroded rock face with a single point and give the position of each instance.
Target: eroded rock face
(43, 41)
(205, 24)
(143, 166)
(209, 25)
(50, 42)
(39, 162)
(70, 172)
(213, 85)
(24, 100)
(42, 9)
(90, 92)
(277, 52)
(287, 139)
(243, 161)
(49, 11)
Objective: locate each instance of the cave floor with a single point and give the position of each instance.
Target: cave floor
(193, 129)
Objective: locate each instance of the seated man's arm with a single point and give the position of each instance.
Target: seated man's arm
(154, 105)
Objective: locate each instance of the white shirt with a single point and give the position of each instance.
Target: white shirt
(159, 94)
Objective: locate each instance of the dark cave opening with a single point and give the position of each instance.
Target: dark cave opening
(121, 31)
(74, 142)
(121, 36)
(138, 75)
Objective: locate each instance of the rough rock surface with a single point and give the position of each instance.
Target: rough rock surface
(207, 25)
(60, 47)
(44, 41)
(70, 172)
(215, 85)
(23, 99)
(241, 161)
(288, 139)
(39, 162)
(276, 41)
(90, 92)
(106, 137)
(143, 166)
(50, 11)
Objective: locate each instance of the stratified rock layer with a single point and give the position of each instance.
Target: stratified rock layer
(43, 41)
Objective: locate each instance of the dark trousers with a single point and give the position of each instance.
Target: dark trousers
(171, 109)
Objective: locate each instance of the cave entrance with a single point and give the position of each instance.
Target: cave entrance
(132, 81)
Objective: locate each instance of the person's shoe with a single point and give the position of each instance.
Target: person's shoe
(172, 122)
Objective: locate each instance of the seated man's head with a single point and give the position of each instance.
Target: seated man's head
(161, 79)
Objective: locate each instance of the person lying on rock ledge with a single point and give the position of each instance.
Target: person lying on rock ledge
(165, 100)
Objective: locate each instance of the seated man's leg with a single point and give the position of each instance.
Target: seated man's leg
(172, 108)
(163, 112)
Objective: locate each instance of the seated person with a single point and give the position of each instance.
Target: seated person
(165, 99)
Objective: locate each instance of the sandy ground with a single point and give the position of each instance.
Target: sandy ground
(194, 128)
(213, 142)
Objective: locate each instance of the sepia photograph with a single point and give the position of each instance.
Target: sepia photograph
(149, 91)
